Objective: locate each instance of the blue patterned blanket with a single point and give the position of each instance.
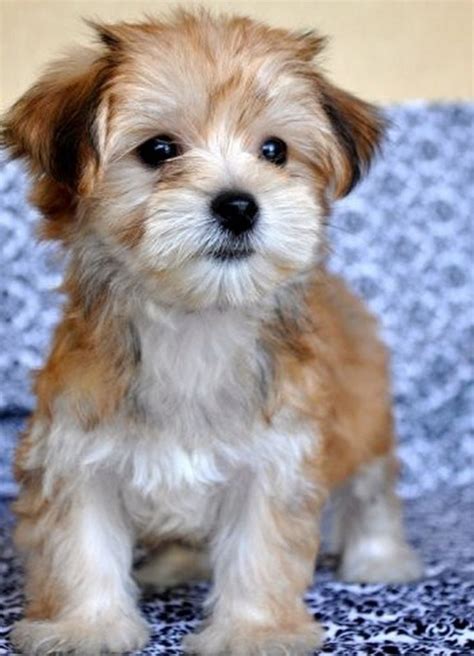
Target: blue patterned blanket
(405, 241)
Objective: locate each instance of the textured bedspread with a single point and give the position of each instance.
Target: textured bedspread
(405, 240)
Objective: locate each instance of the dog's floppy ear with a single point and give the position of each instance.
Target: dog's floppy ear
(58, 126)
(358, 128)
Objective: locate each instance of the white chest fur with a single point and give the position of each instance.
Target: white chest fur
(199, 376)
(199, 393)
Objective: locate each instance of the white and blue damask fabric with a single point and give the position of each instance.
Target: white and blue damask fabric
(404, 239)
(431, 618)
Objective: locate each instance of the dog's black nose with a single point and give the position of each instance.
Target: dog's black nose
(236, 211)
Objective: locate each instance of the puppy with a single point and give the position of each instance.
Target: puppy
(210, 382)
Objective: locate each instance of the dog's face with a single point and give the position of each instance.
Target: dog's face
(201, 154)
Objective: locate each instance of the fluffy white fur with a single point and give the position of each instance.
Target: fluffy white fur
(368, 529)
(201, 403)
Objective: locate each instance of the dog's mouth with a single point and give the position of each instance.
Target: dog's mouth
(227, 254)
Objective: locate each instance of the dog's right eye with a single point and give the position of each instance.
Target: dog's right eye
(158, 150)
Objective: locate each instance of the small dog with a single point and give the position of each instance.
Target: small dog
(210, 382)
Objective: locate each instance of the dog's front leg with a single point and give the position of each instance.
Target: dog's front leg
(78, 544)
(263, 557)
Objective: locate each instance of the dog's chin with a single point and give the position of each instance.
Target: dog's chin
(220, 279)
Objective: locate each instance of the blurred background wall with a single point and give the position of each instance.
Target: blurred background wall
(385, 50)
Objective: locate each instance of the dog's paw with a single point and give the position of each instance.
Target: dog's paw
(213, 641)
(77, 637)
(173, 565)
(393, 563)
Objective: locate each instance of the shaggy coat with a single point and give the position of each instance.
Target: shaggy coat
(203, 394)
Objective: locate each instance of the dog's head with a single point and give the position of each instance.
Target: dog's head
(201, 153)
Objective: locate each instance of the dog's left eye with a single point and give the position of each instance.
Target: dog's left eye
(274, 150)
(157, 150)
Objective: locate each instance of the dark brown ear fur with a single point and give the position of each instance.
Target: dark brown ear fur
(358, 128)
(54, 125)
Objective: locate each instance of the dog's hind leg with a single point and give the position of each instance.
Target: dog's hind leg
(368, 530)
(172, 564)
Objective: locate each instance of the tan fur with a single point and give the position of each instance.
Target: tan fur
(336, 375)
(37, 516)
(187, 400)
